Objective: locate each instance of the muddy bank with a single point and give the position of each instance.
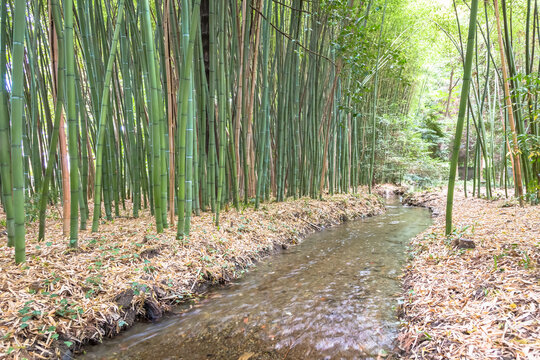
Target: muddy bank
(475, 294)
(60, 300)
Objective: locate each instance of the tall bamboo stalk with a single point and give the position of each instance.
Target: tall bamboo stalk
(103, 116)
(72, 123)
(508, 100)
(17, 109)
(467, 72)
(5, 154)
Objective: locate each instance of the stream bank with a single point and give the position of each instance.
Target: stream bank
(473, 303)
(334, 296)
(60, 300)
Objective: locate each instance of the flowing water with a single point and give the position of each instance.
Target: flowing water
(331, 297)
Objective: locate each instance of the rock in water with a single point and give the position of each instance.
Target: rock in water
(152, 310)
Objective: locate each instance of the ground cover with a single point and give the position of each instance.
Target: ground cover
(473, 303)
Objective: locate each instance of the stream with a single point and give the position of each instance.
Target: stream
(333, 296)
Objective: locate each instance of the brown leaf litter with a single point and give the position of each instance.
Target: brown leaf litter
(479, 303)
(64, 299)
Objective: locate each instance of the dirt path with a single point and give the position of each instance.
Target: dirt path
(479, 303)
(60, 300)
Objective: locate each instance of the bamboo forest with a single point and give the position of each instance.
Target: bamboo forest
(269, 179)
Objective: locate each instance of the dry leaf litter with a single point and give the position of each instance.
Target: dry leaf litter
(479, 303)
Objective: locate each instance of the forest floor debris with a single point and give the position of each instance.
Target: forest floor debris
(475, 294)
(60, 299)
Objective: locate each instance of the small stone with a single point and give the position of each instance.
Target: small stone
(67, 355)
(124, 299)
(149, 253)
(464, 244)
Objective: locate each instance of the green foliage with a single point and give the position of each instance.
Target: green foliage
(68, 309)
(431, 127)
(32, 207)
(408, 155)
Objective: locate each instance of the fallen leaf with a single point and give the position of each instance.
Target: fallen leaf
(246, 356)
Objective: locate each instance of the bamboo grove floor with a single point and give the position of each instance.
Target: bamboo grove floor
(481, 303)
(61, 299)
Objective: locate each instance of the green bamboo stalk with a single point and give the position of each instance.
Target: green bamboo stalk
(103, 115)
(222, 111)
(189, 155)
(5, 156)
(461, 115)
(129, 121)
(72, 123)
(57, 120)
(154, 114)
(212, 100)
(185, 131)
(17, 109)
(265, 118)
(83, 127)
(374, 103)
